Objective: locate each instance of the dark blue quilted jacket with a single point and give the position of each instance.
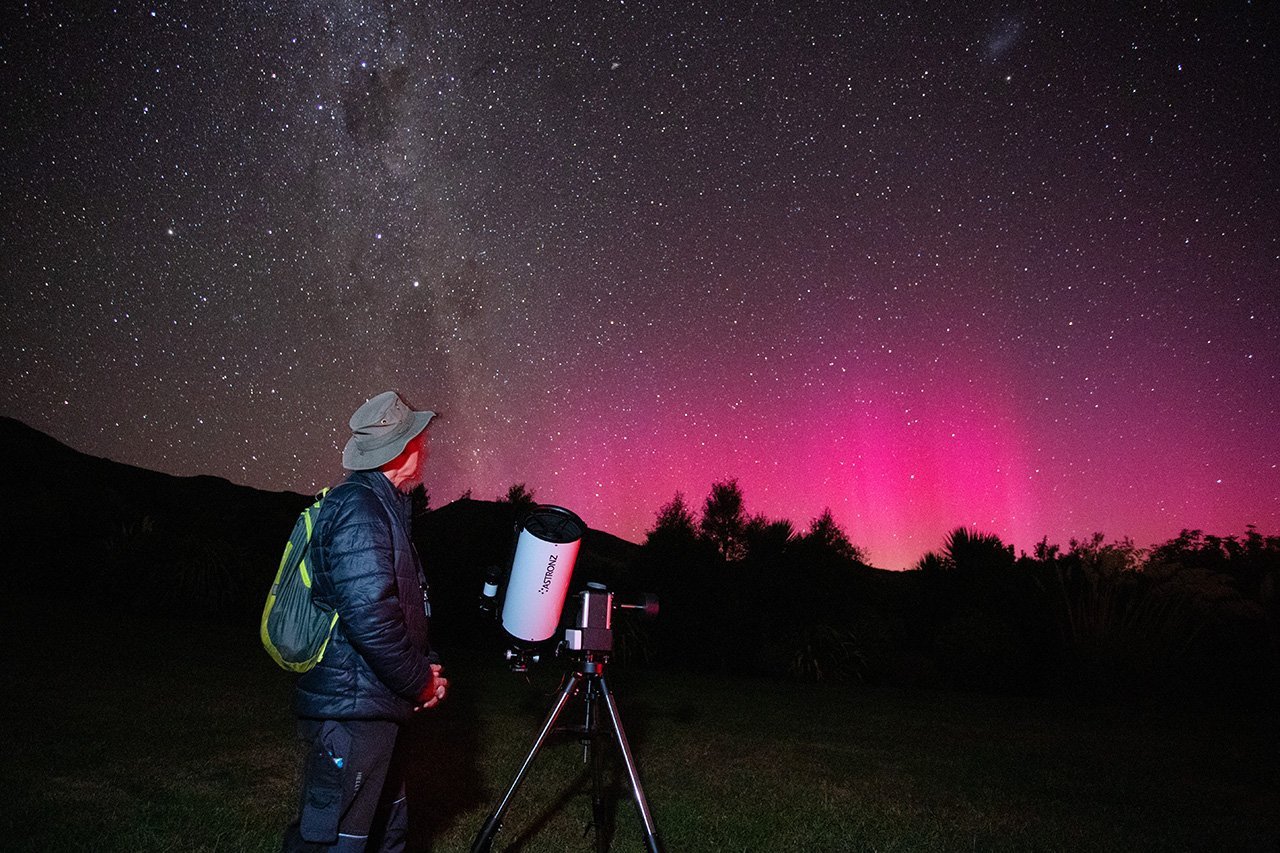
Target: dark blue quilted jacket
(365, 566)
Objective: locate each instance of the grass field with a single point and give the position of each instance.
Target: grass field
(124, 739)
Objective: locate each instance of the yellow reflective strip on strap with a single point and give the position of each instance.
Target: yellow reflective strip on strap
(309, 516)
(325, 645)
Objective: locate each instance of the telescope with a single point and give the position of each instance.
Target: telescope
(541, 569)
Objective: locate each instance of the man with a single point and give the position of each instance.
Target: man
(378, 668)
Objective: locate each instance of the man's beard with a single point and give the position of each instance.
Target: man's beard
(417, 478)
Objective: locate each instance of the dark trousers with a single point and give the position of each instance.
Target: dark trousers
(353, 793)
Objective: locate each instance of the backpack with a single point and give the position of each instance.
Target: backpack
(295, 628)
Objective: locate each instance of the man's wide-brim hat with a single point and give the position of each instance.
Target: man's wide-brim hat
(380, 430)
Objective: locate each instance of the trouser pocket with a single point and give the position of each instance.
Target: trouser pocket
(322, 784)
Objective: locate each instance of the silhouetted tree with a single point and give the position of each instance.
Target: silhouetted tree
(520, 498)
(1106, 558)
(684, 570)
(823, 532)
(932, 561)
(419, 500)
(971, 551)
(766, 541)
(674, 523)
(1175, 616)
(989, 620)
(724, 520)
(1044, 552)
(1198, 577)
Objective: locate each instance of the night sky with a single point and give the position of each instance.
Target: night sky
(926, 264)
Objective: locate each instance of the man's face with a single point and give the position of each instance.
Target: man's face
(408, 469)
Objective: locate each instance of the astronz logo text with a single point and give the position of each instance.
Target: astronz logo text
(546, 579)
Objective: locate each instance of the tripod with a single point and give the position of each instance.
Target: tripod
(589, 672)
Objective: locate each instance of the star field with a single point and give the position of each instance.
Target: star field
(927, 266)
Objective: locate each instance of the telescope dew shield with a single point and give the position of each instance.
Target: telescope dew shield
(540, 571)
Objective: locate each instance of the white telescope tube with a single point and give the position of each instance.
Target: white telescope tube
(540, 572)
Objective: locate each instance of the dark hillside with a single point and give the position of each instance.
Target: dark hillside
(88, 527)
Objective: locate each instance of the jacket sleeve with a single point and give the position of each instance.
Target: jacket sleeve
(361, 568)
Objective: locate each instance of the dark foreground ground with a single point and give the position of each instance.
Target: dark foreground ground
(131, 738)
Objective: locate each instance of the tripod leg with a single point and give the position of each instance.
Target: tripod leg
(652, 842)
(484, 841)
(596, 757)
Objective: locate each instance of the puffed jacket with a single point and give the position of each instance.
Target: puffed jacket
(364, 565)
